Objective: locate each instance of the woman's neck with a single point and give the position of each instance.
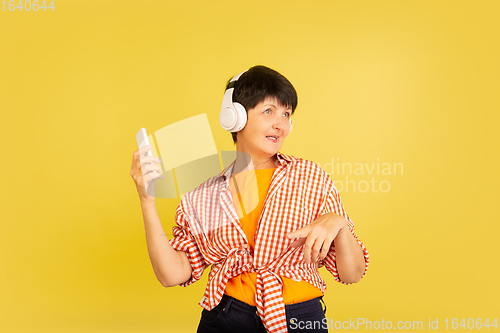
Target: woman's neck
(246, 162)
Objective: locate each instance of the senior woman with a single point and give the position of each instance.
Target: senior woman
(265, 224)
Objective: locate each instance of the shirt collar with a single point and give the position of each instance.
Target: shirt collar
(283, 159)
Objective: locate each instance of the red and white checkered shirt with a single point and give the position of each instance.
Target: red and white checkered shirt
(209, 232)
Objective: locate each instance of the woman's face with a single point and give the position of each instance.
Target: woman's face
(268, 118)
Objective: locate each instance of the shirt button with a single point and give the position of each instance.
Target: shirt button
(246, 247)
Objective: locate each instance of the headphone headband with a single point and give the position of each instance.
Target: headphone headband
(237, 76)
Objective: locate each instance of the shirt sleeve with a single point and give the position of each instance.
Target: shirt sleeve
(333, 204)
(184, 240)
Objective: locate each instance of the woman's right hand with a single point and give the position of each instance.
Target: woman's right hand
(143, 174)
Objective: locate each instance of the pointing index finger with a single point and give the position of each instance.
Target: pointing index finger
(302, 232)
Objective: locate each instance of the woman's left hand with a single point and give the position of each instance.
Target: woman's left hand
(318, 236)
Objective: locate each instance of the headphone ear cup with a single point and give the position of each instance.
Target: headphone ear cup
(227, 118)
(233, 116)
(241, 117)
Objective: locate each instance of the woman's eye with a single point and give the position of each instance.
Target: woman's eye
(287, 114)
(267, 111)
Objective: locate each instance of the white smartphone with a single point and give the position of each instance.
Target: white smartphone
(142, 140)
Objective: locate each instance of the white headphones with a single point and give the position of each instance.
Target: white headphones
(233, 116)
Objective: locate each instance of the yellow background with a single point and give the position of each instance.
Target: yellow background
(411, 82)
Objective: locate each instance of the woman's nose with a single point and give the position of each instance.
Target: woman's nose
(280, 124)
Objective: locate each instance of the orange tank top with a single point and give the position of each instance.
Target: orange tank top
(248, 193)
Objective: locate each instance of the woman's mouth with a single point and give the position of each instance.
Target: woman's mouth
(273, 139)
